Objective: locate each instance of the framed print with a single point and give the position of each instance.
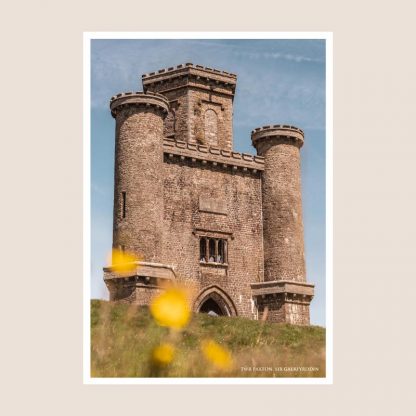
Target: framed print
(208, 208)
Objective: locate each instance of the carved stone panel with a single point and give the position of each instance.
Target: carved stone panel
(214, 206)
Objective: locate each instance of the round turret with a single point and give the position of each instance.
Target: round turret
(138, 180)
(281, 201)
(138, 99)
(281, 133)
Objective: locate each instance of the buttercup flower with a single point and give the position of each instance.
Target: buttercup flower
(163, 354)
(171, 309)
(122, 261)
(217, 355)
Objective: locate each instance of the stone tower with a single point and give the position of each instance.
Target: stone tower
(138, 188)
(194, 211)
(284, 260)
(201, 103)
(138, 214)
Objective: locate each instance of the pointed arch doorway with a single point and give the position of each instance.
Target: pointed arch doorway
(212, 308)
(215, 302)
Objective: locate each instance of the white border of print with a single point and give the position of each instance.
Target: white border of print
(88, 36)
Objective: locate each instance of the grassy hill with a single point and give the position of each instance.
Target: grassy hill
(124, 336)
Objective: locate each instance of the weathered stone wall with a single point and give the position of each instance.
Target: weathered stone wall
(203, 102)
(176, 123)
(130, 291)
(280, 309)
(272, 309)
(297, 313)
(144, 295)
(122, 291)
(184, 222)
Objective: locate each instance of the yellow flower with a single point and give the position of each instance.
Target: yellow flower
(123, 261)
(171, 309)
(163, 354)
(217, 355)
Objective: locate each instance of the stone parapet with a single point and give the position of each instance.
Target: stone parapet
(140, 284)
(213, 155)
(203, 72)
(282, 132)
(138, 98)
(141, 269)
(283, 286)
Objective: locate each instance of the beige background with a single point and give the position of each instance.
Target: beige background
(41, 172)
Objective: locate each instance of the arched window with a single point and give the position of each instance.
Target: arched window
(211, 127)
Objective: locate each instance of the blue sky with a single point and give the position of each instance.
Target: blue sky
(279, 82)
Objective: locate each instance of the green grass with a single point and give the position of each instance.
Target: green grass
(123, 337)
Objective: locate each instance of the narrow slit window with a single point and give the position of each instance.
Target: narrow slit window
(202, 250)
(211, 250)
(123, 204)
(225, 251)
(220, 255)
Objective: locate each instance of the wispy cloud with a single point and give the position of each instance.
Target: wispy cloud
(117, 65)
(252, 52)
(291, 72)
(276, 55)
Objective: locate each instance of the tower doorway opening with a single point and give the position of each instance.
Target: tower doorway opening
(215, 302)
(212, 308)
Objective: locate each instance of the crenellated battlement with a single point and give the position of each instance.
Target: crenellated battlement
(138, 98)
(278, 126)
(188, 74)
(173, 69)
(213, 155)
(284, 132)
(129, 93)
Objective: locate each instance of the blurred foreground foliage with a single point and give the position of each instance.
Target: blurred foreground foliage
(127, 342)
